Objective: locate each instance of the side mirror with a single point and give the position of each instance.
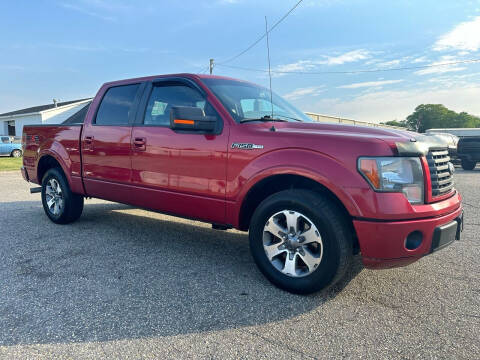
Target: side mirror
(192, 119)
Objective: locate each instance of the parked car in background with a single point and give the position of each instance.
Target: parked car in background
(10, 146)
(469, 152)
(460, 132)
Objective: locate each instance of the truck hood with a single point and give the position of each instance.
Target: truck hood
(407, 143)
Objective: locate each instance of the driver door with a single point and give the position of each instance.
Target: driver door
(178, 172)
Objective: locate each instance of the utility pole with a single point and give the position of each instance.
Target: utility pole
(211, 66)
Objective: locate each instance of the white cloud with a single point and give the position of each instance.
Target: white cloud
(107, 5)
(390, 63)
(101, 9)
(451, 80)
(307, 91)
(348, 57)
(439, 68)
(420, 59)
(88, 12)
(85, 48)
(300, 65)
(397, 104)
(369, 84)
(11, 67)
(306, 65)
(465, 36)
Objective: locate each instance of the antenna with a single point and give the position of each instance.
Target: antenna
(269, 70)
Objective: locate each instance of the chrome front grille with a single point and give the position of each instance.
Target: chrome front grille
(440, 172)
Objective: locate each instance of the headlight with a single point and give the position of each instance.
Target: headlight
(394, 174)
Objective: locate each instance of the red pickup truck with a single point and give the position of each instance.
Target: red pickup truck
(230, 153)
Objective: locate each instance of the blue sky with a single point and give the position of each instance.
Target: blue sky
(66, 49)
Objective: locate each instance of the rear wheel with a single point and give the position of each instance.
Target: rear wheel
(59, 203)
(16, 153)
(300, 241)
(468, 164)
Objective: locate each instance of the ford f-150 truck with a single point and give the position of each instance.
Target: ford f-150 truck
(230, 153)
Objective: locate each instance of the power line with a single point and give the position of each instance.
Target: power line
(205, 70)
(261, 37)
(353, 71)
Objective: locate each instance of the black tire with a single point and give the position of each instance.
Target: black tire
(468, 164)
(335, 234)
(16, 153)
(72, 203)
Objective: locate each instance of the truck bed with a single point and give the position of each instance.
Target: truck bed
(63, 139)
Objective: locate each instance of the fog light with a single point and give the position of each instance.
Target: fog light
(414, 240)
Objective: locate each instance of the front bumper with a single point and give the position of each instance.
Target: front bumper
(383, 243)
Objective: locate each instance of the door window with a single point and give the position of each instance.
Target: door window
(163, 98)
(5, 140)
(117, 105)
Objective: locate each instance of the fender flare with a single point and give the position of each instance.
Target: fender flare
(234, 213)
(343, 196)
(55, 150)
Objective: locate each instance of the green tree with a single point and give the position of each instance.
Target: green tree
(429, 116)
(401, 123)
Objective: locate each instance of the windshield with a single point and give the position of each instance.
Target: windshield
(246, 101)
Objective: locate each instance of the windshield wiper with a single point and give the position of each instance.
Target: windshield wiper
(263, 118)
(292, 118)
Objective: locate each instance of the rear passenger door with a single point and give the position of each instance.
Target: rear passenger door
(106, 147)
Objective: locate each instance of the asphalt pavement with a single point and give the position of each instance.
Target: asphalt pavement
(125, 283)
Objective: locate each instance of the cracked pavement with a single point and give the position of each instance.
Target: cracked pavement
(125, 283)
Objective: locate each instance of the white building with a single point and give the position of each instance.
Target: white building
(11, 123)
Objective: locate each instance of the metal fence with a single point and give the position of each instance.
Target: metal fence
(335, 119)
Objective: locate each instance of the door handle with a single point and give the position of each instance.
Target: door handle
(88, 142)
(139, 144)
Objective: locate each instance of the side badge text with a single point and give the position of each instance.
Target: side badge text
(246, 146)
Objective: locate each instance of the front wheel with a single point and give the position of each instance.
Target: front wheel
(300, 241)
(59, 203)
(468, 164)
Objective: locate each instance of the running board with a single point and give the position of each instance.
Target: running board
(221, 227)
(35, 190)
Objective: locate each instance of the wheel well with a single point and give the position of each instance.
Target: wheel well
(276, 183)
(46, 163)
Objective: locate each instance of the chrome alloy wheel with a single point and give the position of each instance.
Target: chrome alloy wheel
(292, 243)
(54, 197)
